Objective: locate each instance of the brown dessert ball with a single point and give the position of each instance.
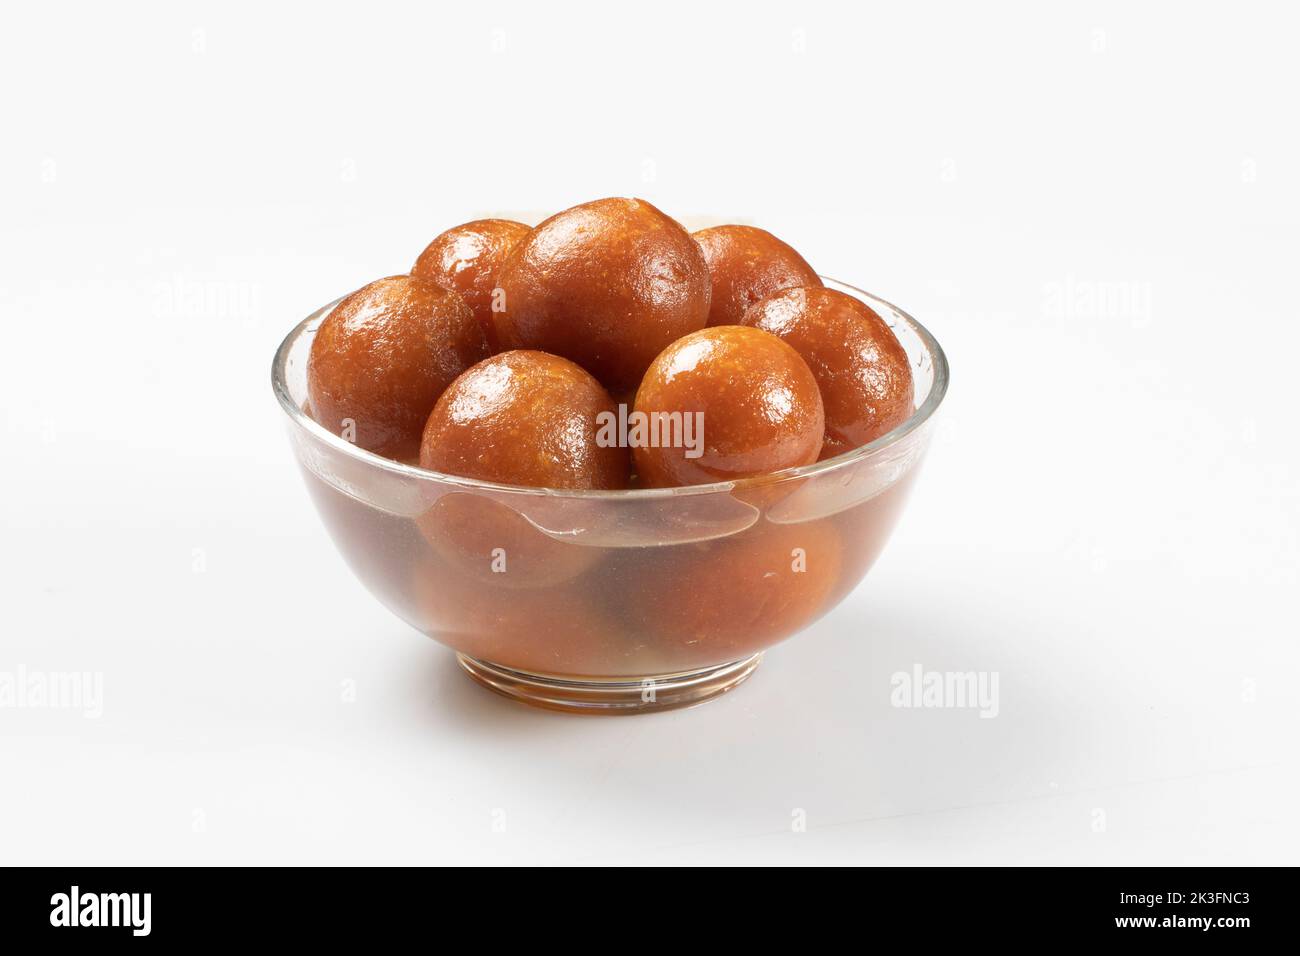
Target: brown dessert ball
(467, 259)
(726, 403)
(607, 284)
(862, 371)
(518, 418)
(383, 356)
(747, 264)
(559, 631)
(491, 541)
(719, 601)
(524, 418)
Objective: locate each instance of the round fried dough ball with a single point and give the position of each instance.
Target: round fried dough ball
(380, 360)
(722, 600)
(862, 370)
(518, 418)
(607, 284)
(558, 631)
(747, 264)
(726, 403)
(467, 259)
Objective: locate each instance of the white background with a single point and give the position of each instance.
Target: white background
(1097, 213)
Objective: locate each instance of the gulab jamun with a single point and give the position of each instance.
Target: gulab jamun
(467, 259)
(518, 418)
(862, 370)
(524, 418)
(491, 541)
(380, 360)
(747, 264)
(559, 631)
(726, 403)
(718, 601)
(607, 284)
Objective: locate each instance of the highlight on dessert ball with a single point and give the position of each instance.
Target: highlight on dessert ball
(605, 348)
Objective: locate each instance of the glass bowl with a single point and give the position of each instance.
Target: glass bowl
(612, 601)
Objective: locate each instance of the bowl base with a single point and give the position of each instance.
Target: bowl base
(630, 695)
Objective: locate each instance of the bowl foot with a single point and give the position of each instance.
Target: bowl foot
(623, 696)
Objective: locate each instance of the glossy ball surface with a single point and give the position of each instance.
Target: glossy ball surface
(524, 418)
(384, 355)
(607, 284)
(467, 259)
(862, 370)
(519, 418)
(749, 398)
(747, 264)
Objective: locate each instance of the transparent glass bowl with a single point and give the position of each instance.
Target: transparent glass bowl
(612, 601)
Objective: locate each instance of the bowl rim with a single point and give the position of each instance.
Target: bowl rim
(919, 416)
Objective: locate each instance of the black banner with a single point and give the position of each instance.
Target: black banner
(1174, 905)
